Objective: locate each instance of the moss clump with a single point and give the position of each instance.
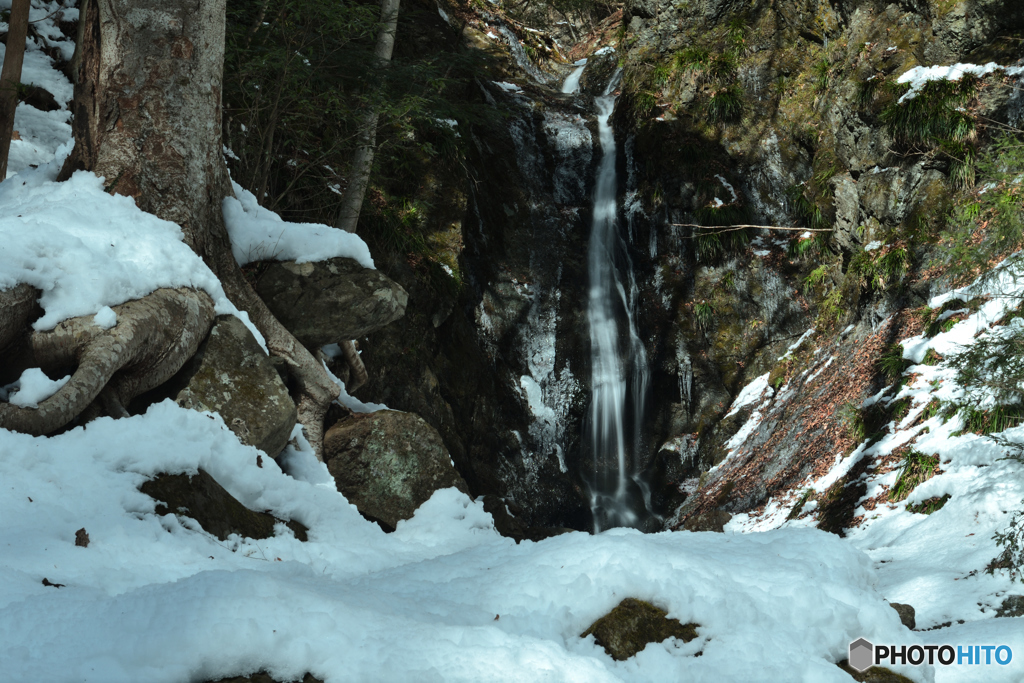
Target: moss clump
(632, 625)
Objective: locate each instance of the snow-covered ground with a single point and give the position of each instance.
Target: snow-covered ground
(444, 598)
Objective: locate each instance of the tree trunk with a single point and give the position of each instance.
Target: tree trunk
(362, 163)
(10, 77)
(148, 119)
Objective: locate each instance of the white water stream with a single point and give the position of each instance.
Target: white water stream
(619, 371)
(572, 82)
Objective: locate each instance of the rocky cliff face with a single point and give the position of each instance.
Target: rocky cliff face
(751, 113)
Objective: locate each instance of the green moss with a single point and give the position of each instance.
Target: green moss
(634, 624)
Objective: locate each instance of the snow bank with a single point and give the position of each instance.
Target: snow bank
(443, 598)
(260, 234)
(86, 249)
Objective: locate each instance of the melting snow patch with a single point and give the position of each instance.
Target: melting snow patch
(751, 393)
(105, 318)
(32, 387)
(919, 75)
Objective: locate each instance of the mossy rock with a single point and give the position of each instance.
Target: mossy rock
(876, 674)
(217, 511)
(231, 375)
(632, 625)
(712, 520)
(388, 463)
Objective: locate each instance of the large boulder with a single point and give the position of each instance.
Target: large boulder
(232, 376)
(632, 625)
(329, 301)
(217, 511)
(388, 463)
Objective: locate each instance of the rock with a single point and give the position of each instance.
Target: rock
(38, 97)
(1013, 606)
(907, 614)
(632, 625)
(216, 510)
(713, 520)
(510, 526)
(388, 463)
(266, 678)
(876, 674)
(329, 301)
(232, 376)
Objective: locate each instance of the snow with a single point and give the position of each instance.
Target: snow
(919, 75)
(442, 598)
(508, 87)
(934, 562)
(105, 318)
(258, 234)
(32, 387)
(86, 249)
(750, 394)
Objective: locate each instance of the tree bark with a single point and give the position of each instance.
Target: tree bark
(10, 77)
(362, 163)
(148, 119)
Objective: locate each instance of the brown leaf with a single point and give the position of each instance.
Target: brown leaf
(82, 538)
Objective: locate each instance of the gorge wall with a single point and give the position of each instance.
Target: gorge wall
(760, 113)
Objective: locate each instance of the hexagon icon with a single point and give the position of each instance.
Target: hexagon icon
(862, 654)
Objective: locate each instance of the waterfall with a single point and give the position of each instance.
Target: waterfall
(572, 82)
(619, 371)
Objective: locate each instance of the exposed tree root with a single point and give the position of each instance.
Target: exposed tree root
(357, 375)
(153, 338)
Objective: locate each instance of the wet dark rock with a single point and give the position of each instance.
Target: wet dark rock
(510, 526)
(232, 376)
(388, 463)
(907, 614)
(634, 624)
(330, 301)
(200, 497)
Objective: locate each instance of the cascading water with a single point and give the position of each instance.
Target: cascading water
(619, 377)
(572, 82)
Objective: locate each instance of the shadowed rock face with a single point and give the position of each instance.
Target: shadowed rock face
(329, 301)
(233, 377)
(388, 463)
(200, 497)
(632, 625)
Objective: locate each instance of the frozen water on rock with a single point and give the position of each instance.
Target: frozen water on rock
(573, 145)
(520, 56)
